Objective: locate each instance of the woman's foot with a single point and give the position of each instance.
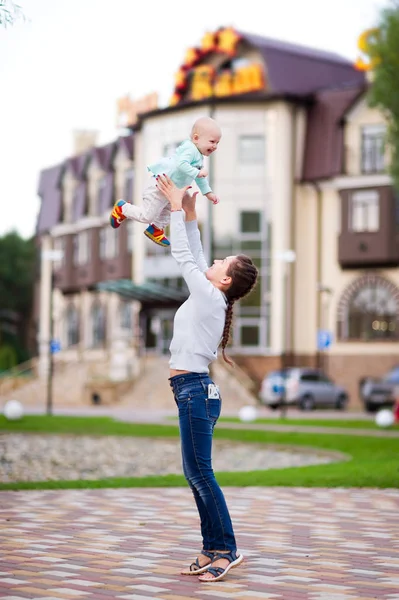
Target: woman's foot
(221, 565)
(201, 563)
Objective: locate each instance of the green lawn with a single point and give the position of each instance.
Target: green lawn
(373, 461)
(349, 424)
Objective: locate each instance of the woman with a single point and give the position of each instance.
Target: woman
(200, 324)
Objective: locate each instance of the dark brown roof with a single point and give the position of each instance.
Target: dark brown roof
(79, 206)
(50, 193)
(295, 69)
(50, 179)
(107, 195)
(127, 142)
(324, 145)
(104, 155)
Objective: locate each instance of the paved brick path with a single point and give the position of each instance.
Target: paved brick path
(299, 544)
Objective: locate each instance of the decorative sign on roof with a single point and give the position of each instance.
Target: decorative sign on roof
(367, 62)
(128, 110)
(200, 78)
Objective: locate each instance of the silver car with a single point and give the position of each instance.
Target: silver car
(306, 388)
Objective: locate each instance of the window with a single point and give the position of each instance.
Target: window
(125, 315)
(373, 159)
(310, 377)
(128, 186)
(249, 335)
(252, 237)
(108, 243)
(97, 325)
(250, 222)
(81, 248)
(101, 190)
(59, 245)
(72, 326)
(251, 149)
(373, 314)
(364, 211)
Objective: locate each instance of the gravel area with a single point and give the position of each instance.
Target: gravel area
(34, 457)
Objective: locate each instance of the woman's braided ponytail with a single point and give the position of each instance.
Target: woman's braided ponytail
(243, 275)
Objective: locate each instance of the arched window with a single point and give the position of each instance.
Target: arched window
(72, 326)
(369, 310)
(97, 325)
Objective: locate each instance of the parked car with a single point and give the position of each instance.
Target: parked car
(304, 387)
(376, 393)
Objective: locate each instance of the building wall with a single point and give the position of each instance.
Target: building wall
(307, 252)
(349, 361)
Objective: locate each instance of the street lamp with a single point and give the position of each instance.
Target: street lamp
(287, 257)
(51, 256)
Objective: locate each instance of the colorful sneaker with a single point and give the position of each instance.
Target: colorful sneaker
(117, 217)
(157, 235)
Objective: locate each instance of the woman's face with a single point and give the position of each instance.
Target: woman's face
(217, 273)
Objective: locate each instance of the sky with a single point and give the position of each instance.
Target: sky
(65, 66)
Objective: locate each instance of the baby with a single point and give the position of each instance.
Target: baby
(185, 165)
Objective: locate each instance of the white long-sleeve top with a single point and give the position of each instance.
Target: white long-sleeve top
(199, 322)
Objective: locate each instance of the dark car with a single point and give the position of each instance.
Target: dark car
(304, 387)
(377, 393)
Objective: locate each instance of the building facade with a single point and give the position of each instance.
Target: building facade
(301, 173)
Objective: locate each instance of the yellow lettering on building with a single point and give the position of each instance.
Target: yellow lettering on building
(208, 42)
(175, 100)
(191, 56)
(201, 86)
(366, 62)
(248, 79)
(227, 41)
(180, 78)
(224, 84)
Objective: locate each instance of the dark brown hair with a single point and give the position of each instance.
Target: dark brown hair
(243, 275)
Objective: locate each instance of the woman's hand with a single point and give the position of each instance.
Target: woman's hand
(189, 206)
(171, 192)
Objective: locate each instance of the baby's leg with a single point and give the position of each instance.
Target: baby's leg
(152, 207)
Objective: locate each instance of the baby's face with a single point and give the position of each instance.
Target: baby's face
(207, 141)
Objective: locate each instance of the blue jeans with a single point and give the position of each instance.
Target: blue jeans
(197, 418)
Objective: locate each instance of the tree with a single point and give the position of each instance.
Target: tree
(383, 49)
(17, 277)
(9, 12)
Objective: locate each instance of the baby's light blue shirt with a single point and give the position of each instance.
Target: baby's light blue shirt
(183, 166)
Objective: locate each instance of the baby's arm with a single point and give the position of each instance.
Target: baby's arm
(203, 185)
(185, 160)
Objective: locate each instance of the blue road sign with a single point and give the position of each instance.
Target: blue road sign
(324, 339)
(55, 346)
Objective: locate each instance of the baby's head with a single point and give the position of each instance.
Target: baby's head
(206, 135)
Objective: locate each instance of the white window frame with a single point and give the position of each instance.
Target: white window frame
(108, 243)
(364, 211)
(81, 250)
(96, 341)
(262, 325)
(373, 159)
(254, 155)
(59, 245)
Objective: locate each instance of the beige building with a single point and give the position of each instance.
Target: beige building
(301, 173)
